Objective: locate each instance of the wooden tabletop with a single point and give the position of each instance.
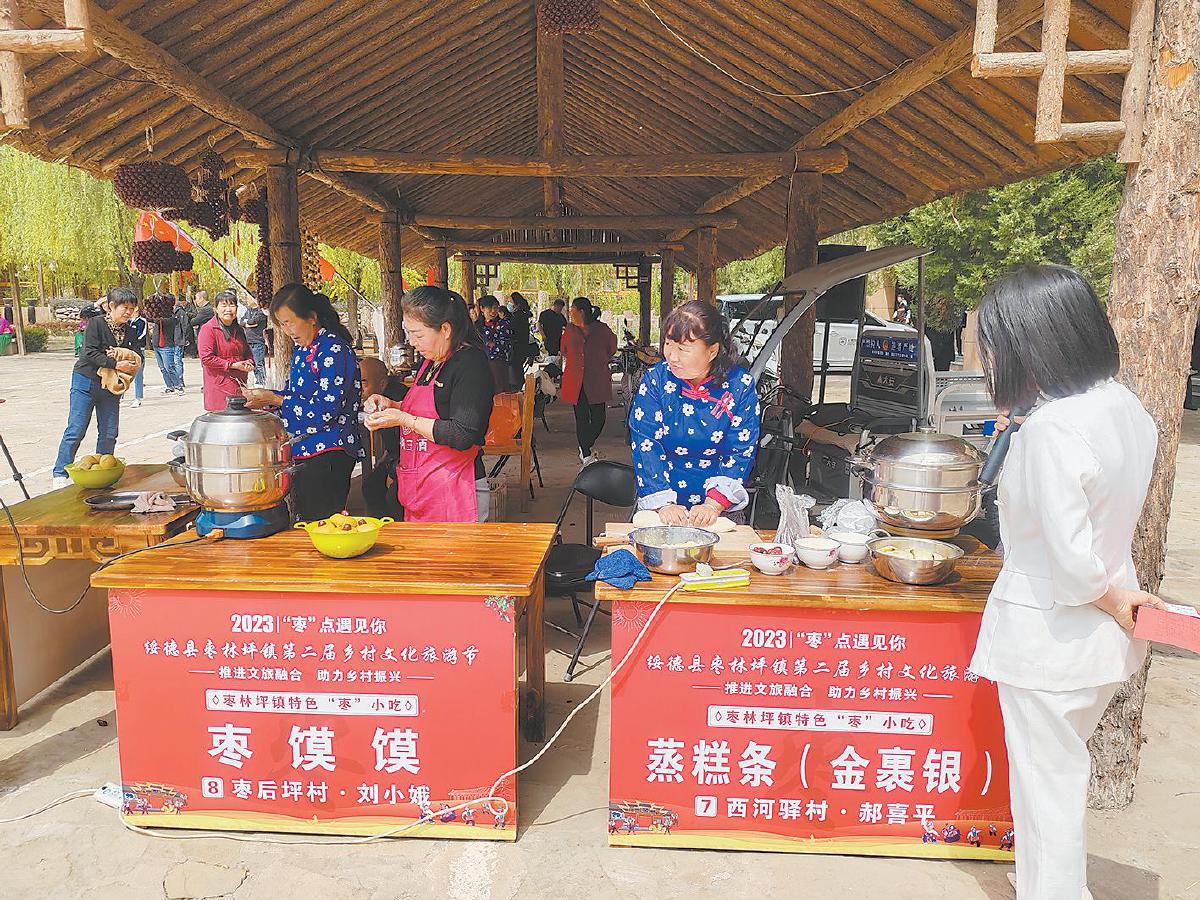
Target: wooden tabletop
(472, 559)
(840, 587)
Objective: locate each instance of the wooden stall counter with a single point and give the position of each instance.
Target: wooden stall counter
(62, 542)
(262, 686)
(817, 711)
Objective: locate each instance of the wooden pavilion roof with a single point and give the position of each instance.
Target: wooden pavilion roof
(460, 77)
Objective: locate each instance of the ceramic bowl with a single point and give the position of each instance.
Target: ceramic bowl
(852, 546)
(817, 552)
(770, 563)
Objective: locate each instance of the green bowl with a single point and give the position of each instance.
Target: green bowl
(96, 478)
(345, 544)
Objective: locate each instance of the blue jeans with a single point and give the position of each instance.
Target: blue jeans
(139, 380)
(259, 354)
(87, 395)
(170, 363)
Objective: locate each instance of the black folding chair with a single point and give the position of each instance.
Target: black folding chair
(568, 564)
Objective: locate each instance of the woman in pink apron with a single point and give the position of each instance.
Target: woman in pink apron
(443, 417)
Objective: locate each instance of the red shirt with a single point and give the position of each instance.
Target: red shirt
(217, 351)
(585, 363)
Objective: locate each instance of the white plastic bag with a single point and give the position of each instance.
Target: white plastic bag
(793, 514)
(849, 515)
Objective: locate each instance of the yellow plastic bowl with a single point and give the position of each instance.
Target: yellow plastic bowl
(96, 478)
(345, 544)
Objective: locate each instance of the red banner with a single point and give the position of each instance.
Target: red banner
(321, 713)
(770, 728)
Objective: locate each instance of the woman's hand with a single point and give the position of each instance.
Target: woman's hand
(259, 398)
(1120, 603)
(673, 514)
(244, 365)
(388, 418)
(1003, 421)
(127, 366)
(376, 403)
(705, 514)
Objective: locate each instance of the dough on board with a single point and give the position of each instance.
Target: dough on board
(647, 518)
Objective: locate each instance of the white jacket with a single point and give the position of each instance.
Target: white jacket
(1070, 496)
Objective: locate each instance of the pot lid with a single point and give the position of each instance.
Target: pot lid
(927, 449)
(235, 424)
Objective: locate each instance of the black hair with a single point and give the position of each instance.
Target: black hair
(120, 296)
(584, 306)
(558, 301)
(487, 301)
(435, 306)
(1043, 330)
(306, 304)
(224, 295)
(521, 305)
(699, 321)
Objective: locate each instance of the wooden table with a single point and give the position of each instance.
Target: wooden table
(402, 661)
(62, 542)
(818, 711)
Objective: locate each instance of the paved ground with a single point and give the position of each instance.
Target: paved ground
(80, 849)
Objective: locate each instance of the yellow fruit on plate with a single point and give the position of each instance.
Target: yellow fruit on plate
(108, 461)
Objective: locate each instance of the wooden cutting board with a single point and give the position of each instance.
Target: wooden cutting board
(733, 546)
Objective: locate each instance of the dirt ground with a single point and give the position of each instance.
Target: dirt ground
(80, 849)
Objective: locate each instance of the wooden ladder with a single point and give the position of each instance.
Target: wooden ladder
(1054, 62)
(14, 40)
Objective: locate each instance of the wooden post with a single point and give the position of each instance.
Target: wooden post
(442, 267)
(392, 284)
(706, 265)
(1153, 306)
(468, 278)
(666, 295)
(800, 252)
(14, 112)
(644, 292)
(18, 315)
(283, 227)
(352, 315)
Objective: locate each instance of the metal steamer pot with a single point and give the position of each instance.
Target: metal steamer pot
(923, 481)
(236, 459)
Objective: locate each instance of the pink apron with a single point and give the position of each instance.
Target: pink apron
(433, 483)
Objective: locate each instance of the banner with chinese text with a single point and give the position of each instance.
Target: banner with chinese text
(318, 713)
(773, 728)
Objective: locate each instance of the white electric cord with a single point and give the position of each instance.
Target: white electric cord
(370, 839)
(74, 795)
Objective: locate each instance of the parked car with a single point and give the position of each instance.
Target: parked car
(842, 335)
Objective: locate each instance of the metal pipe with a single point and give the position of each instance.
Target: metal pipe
(922, 405)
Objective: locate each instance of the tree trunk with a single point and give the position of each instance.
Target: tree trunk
(800, 252)
(1155, 296)
(644, 292)
(666, 287)
(706, 265)
(392, 288)
(283, 228)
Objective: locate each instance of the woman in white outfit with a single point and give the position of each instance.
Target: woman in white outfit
(1055, 635)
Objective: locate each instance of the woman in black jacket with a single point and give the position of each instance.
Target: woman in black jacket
(101, 335)
(443, 417)
(521, 334)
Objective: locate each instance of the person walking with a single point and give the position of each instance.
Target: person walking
(102, 335)
(588, 345)
(138, 330)
(159, 311)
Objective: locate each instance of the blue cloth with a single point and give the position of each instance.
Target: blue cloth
(88, 394)
(170, 364)
(621, 569)
(687, 441)
(323, 396)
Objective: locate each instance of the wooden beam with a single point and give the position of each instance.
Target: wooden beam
(468, 278)
(644, 297)
(611, 223)
(1133, 98)
(672, 165)
(666, 287)
(122, 43)
(800, 252)
(43, 40)
(1026, 65)
(706, 265)
(561, 256)
(1055, 23)
(14, 113)
(614, 247)
(442, 268)
(392, 287)
(549, 109)
(283, 229)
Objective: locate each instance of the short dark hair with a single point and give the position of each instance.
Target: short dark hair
(700, 321)
(587, 309)
(487, 301)
(223, 296)
(307, 305)
(435, 306)
(1043, 330)
(559, 301)
(120, 296)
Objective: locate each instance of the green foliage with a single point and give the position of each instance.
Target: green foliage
(36, 339)
(751, 276)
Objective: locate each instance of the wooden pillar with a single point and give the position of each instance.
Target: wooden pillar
(706, 265)
(283, 229)
(644, 292)
(666, 295)
(18, 317)
(14, 103)
(800, 252)
(392, 287)
(468, 278)
(1153, 307)
(352, 316)
(442, 267)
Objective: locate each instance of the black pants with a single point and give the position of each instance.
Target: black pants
(321, 484)
(589, 422)
(379, 490)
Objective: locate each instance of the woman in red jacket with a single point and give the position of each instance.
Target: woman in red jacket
(587, 346)
(224, 353)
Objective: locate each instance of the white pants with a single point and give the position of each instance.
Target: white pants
(1046, 733)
